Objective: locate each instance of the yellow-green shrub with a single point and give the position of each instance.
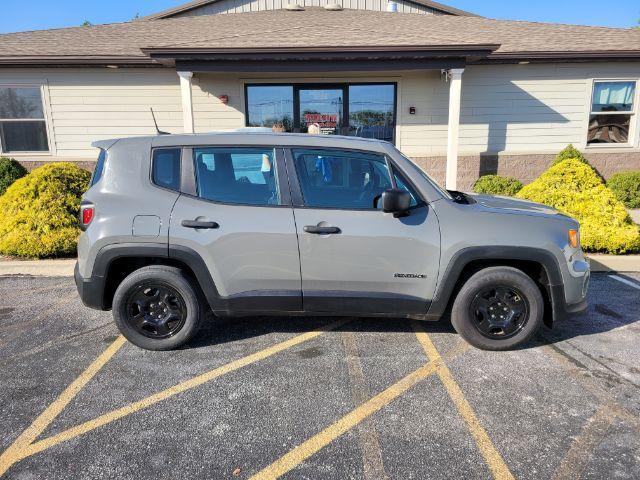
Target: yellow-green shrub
(626, 187)
(574, 188)
(497, 185)
(10, 171)
(569, 153)
(39, 212)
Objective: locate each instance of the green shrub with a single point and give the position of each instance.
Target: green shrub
(568, 153)
(626, 188)
(10, 171)
(39, 212)
(575, 189)
(497, 185)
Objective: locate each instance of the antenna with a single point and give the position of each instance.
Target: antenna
(160, 132)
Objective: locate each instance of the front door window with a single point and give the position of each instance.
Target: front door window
(321, 111)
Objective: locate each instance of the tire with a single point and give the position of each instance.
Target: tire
(158, 308)
(498, 308)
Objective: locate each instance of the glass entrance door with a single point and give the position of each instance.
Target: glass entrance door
(321, 110)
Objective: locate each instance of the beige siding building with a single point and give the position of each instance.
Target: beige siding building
(462, 95)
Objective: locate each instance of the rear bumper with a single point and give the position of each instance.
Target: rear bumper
(90, 289)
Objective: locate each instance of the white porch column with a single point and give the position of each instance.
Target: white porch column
(455, 99)
(187, 100)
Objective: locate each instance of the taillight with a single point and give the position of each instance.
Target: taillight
(87, 212)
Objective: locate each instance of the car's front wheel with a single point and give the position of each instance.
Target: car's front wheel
(158, 308)
(498, 308)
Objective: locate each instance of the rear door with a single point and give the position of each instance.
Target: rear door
(240, 221)
(355, 258)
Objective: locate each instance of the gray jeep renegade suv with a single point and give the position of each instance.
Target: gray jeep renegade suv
(247, 223)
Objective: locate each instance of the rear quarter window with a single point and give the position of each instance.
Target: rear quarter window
(165, 170)
(99, 168)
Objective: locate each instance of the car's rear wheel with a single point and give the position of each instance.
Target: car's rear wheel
(498, 308)
(158, 308)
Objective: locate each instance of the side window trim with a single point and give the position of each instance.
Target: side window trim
(395, 170)
(294, 182)
(188, 184)
(297, 199)
(284, 185)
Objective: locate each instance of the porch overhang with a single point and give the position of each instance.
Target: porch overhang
(319, 59)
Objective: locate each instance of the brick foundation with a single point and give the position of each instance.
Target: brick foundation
(525, 168)
(31, 164)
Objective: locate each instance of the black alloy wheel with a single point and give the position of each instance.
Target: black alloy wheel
(499, 312)
(156, 310)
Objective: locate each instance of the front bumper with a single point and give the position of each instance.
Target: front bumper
(91, 289)
(578, 289)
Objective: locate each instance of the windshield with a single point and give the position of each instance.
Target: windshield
(424, 175)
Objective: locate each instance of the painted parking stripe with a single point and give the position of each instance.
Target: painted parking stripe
(316, 443)
(494, 460)
(579, 455)
(373, 465)
(17, 450)
(134, 407)
(625, 281)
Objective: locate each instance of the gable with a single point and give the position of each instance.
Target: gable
(214, 7)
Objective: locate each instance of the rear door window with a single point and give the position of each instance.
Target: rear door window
(237, 175)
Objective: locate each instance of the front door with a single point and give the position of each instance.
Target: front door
(321, 110)
(354, 258)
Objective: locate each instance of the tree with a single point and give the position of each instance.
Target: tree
(87, 23)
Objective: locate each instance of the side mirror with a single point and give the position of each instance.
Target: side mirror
(395, 201)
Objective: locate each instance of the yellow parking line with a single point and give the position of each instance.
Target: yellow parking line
(369, 445)
(16, 451)
(579, 455)
(491, 455)
(316, 443)
(171, 391)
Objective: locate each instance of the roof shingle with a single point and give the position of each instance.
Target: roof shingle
(314, 27)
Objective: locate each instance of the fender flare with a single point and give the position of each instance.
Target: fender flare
(463, 257)
(108, 254)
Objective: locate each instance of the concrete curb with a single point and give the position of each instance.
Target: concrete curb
(614, 263)
(40, 268)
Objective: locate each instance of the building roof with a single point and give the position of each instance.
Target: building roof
(189, 6)
(315, 29)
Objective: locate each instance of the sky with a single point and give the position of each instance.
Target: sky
(21, 15)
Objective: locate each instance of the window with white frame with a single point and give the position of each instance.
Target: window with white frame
(612, 112)
(23, 127)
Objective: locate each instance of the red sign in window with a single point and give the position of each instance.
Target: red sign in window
(323, 120)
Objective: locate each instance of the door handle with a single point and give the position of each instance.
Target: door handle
(321, 230)
(199, 224)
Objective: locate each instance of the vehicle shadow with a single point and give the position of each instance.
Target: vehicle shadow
(610, 307)
(605, 313)
(217, 331)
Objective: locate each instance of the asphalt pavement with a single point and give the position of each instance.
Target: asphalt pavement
(313, 398)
